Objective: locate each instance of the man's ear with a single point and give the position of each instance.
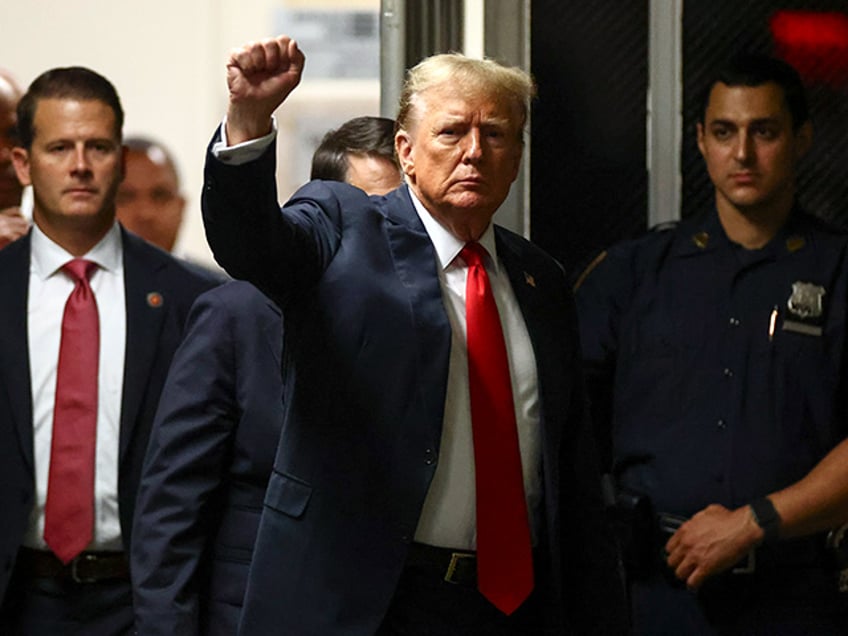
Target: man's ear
(20, 159)
(700, 134)
(125, 151)
(516, 168)
(403, 150)
(804, 138)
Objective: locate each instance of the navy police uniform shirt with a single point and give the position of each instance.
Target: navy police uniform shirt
(726, 364)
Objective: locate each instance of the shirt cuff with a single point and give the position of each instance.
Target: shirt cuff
(246, 151)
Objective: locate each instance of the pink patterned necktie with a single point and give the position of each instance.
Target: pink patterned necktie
(69, 510)
(504, 552)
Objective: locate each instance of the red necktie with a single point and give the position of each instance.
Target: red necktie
(69, 511)
(504, 553)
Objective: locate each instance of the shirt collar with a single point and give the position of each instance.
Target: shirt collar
(447, 246)
(705, 233)
(48, 257)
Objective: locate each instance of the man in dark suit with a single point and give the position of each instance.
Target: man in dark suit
(380, 514)
(91, 317)
(216, 430)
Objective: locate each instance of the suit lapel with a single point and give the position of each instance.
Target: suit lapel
(273, 334)
(528, 287)
(14, 351)
(523, 282)
(415, 263)
(146, 312)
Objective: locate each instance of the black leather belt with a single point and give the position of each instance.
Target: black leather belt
(88, 567)
(454, 566)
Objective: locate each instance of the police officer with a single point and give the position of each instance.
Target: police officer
(723, 343)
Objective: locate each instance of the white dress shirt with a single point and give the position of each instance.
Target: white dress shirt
(49, 289)
(449, 517)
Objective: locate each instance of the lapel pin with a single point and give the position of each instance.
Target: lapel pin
(155, 300)
(701, 239)
(528, 278)
(795, 243)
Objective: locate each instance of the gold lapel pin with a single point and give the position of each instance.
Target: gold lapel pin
(701, 239)
(795, 243)
(528, 278)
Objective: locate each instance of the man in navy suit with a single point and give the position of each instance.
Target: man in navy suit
(70, 152)
(216, 430)
(369, 523)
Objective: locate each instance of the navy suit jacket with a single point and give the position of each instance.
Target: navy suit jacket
(207, 467)
(153, 333)
(365, 366)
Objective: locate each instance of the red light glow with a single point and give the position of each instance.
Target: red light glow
(816, 43)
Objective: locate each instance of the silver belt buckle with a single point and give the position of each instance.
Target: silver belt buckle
(749, 566)
(75, 577)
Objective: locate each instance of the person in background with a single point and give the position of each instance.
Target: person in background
(13, 224)
(434, 475)
(360, 152)
(721, 344)
(198, 511)
(91, 318)
(149, 201)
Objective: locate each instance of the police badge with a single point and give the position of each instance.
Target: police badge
(806, 303)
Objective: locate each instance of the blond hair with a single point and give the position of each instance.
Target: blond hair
(471, 77)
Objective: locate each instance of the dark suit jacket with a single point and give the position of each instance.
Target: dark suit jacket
(153, 333)
(365, 365)
(207, 467)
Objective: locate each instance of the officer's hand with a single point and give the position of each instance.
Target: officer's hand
(711, 542)
(260, 75)
(13, 226)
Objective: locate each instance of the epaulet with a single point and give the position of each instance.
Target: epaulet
(588, 270)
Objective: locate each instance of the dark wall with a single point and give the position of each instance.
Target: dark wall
(588, 178)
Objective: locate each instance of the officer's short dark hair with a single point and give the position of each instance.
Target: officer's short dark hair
(372, 136)
(73, 82)
(750, 69)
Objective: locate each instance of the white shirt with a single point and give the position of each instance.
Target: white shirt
(448, 518)
(49, 289)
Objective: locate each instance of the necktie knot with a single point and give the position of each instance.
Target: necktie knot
(473, 253)
(80, 269)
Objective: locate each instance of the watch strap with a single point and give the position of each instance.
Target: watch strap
(767, 518)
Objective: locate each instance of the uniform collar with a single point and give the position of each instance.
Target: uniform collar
(704, 233)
